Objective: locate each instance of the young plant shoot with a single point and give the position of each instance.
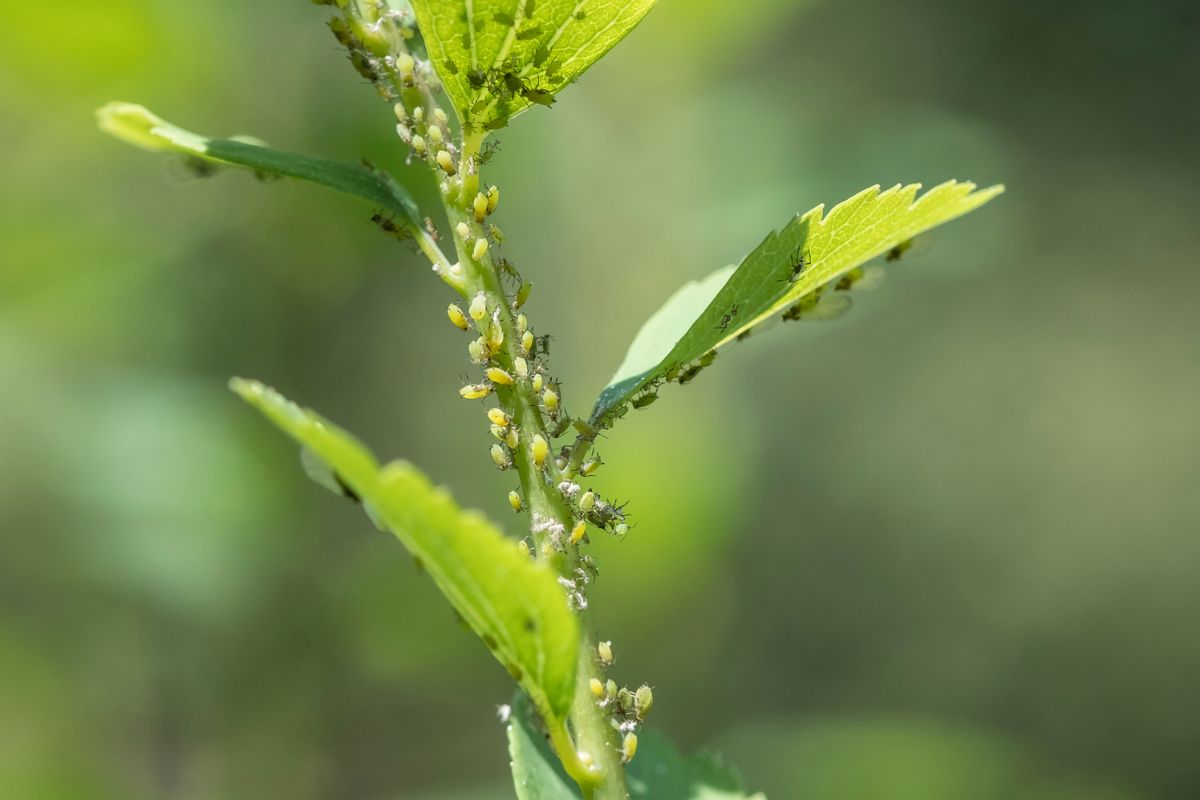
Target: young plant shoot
(455, 73)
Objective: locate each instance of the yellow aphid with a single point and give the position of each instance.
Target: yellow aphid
(643, 701)
(463, 230)
(597, 688)
(522, 294)
(561, 462)
(419, 113)
(537, 383)
(589, 467)
(498, 417)
(404, 65)
(523, 548)
(418, 142)
(493, 199)
(495, 335)
(587, 501)
(577, 533)
(547, 549)
(481, 248)
(401, 112)
(610, 690)
(500, 457)
(435, 136)
(457, 317)
(540, 449)
(497, 375)
(514, 500)
(629, 747)
(476, 391)
(497, 432)
(604, 650)
(513, 438)
(440, 116)
(621, 530)
(522, 367)
(475, 351)
(522, 324)
(527, 342)
(550, 399)
(446, 162)
(478, 307)
(480, 207)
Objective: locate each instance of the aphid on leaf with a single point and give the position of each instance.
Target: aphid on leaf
(514, 500)
(478, 309)
(629, 747)
(498, 417)
(457, 317)
(501, 457)
(476, 391)
(604, 651)
(644, 400)
(499, 376)
(578, 532)
(540, 449)
(725, 320)
(597, 687)
(797, 263)
(643, 701)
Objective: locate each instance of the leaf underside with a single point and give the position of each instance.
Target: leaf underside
(514, 604)
(788, 271)
(658, 772)
(497, 58)
(136, 125)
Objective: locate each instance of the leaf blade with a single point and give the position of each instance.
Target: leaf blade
(136, 125)
(530, 630)
(497, 58)
(859, 229)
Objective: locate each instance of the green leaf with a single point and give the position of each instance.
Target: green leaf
(136, 125)
(497, 58)
(790, 271)
(537, 773)
(658, 772)
(514, 604)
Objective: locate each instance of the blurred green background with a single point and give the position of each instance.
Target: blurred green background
(943, 548)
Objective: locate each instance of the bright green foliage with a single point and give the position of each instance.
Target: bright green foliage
(790, 267)
(512, 603)
(658, 772)
(497, 58)
(138, 126)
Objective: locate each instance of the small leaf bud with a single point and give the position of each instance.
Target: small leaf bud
(540, 449)
(476, 391)
(478, 307)
(457, 317)
(497, 375)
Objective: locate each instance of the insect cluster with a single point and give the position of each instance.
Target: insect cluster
(626, 709)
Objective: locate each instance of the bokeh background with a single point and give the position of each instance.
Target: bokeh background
(943, 548)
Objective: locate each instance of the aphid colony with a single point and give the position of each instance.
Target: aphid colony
(626, 709)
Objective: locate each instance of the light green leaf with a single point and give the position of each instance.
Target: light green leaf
(514, 604)
(791, 271)
(136, 125)
(658, 772)
(537, 774)
(497, 58)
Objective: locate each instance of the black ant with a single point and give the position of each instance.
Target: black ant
(389, 226)
(725, 320)
(799, 261)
